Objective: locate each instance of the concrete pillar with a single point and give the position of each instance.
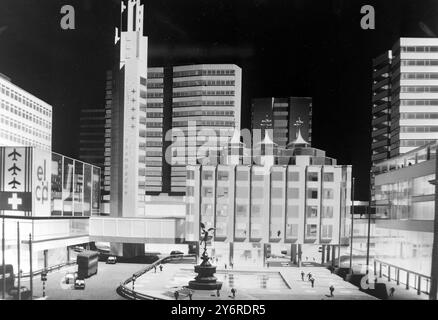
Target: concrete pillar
(322, 254)
(328, 253)
(293, 253)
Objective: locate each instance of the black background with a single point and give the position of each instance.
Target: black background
(285, 48)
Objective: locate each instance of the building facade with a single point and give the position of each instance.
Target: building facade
(46, 198)
(405, 98)
(128, 114)
(381, 120)
(293, 196)
(25, 120)
(280, 115)
(206, 104)
(405, 235)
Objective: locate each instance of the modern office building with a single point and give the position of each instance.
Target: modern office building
(405, 98)
(381, 110)
(49, 199)
(206, 104)
(280, 115)
(25, 120)
(406, 239)
(92, 136)
(289, 196)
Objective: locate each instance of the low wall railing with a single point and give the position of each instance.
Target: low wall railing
(129, 293)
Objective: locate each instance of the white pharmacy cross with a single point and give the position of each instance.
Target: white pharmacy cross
(14, 201)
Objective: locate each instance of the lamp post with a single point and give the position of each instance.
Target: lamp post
(3, 258)
(352, 224)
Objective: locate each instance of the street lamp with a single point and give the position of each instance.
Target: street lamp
(352, 224)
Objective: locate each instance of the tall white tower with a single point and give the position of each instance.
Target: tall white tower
(129, 114)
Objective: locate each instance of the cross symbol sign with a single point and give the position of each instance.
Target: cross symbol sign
(14, 201)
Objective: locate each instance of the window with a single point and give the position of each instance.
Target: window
(222, 192)
(294, 176)
(277, 193)
(293, 193)
(312, 211)
(255, 210)
(312, 193)
(242, 176)
(222, 175)
(241, 210)
(292, 231)
(190, 191)
(327, 212)
(328, 193)
(311, 230)
(328, 177)
(293, 211)
(207, 175)
(258, 192)
(207, 191)
(242, 192)
(327, 231)
(277, 176)
(312, 176)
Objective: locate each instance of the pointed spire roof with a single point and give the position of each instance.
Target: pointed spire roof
(299, 141)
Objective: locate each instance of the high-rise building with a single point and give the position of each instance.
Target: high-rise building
(206, 104)
(405, 98)
(92, 136)
(280, 115)
(381, 122)
(128, 114)
(25, 120)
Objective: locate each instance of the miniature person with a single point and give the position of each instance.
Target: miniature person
(176, 294)
(233, 292)
(332, 289)
(302, 275)
(161, 267)
(312, 281)
(391, 292)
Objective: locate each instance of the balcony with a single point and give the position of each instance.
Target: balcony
(380, 132)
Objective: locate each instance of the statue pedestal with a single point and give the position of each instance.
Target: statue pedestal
(205, 280)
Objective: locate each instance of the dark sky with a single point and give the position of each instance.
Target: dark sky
(285, 48)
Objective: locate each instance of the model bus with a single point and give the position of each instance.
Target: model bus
(87, 264)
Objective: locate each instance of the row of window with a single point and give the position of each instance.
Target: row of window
(17, 125)
(4, 134)
(216, 123)
(418, 89)
(210, 72)
(419, 129)
(419, 115)
(155, 75)
(428, 62)
(203, 93)
(420, 102)
(415, 143)
(416, 75)
(196, 83)
(419, 49)
(203, 103)
(25, 114)
(154, 114)
(155, 85)
(25, 101)
(202, 113)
